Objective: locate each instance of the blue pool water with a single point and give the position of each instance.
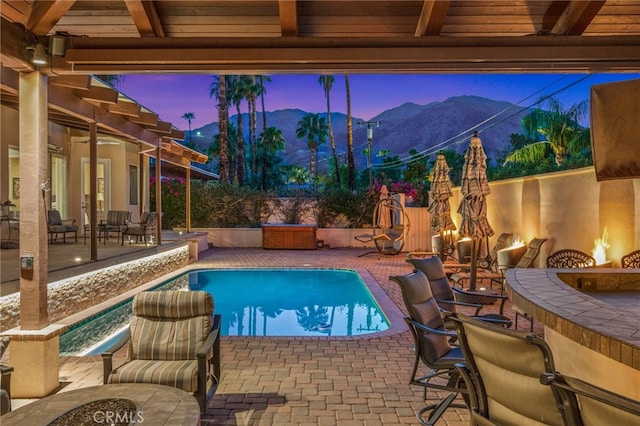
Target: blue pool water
(257, 302)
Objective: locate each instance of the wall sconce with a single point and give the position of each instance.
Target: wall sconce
(39, 55)
(58, 44)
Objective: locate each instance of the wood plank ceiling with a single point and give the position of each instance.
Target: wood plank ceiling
(303, 36)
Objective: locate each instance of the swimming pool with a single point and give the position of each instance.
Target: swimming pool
(256, 302)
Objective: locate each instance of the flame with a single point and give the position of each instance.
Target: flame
(517, 242)
(599, 251)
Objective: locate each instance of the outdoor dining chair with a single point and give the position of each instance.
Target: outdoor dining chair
(450, 298)
(116, 222)
(586, 404)
(144, 229)
(502, 371)
(174, 340)
(631, 260)
(432, 346)
(570, 258)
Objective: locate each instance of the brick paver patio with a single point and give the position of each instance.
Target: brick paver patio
(306, 380)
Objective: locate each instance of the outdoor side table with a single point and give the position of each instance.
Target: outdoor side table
(157, 404)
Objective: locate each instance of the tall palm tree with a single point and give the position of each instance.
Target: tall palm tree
(213, 151)
(189, 116)
(219, 89)
(326, 81)
(252, 90)
(314, 128)
(261, 81)
(561, 129)
(237, 95)
(350, 158)
(272, 141)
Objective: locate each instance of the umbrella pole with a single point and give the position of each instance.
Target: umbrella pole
(442, 246)
(474, 265)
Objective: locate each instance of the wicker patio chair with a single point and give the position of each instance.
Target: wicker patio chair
(432, 346)
(174, 340)
(145, 228)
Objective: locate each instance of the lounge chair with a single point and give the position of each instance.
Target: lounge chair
(432, 346)
(174, 340)
(56, 226)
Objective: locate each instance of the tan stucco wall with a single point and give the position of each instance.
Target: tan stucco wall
(571, 209)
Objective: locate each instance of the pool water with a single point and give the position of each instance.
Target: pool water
(257, 302)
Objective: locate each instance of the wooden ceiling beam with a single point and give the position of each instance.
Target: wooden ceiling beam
(125, 108)
(145, 17)
(568, 53)
(576, 17)
(9, 80)
(288, 10)
(99, 95)
(145, 118)
(80, 82)
(45, 14)
(432, 17)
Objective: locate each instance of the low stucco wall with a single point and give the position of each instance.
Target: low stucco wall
(69, 296)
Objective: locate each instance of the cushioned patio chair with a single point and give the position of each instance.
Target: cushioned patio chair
(432, 346)
(145, 228)
(502, 371)
(56, 226)
(174, 340)
(116, 222)
(449, 298)
(5, 380)
(590, 405)
(570, 258)
(631, 260)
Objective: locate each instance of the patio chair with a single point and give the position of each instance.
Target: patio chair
(432, 346)
(570, 258)
(5, 380)
(631, 260)
(502, 372)
(527, 259)
(146, 227)
(449, 298)
(116, 222)
(174, 340)
(487, 267)
(56, 226)
(590, 405)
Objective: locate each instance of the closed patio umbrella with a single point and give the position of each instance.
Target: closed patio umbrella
(473, 207)
(384, 209)
(439, 207)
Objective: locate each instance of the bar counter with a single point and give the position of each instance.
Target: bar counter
(590, 339)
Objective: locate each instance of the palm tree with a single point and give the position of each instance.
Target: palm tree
(272, 141)
(189, 116)
(237, 90)
(261, 80)
(252, 90)
(213, 150)
(326, 81)
(350, 158)
(219, 89)
(562, 131)
(314, 128)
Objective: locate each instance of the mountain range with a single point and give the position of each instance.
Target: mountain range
(438, 125)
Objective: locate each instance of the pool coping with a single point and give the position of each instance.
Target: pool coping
(389, 309)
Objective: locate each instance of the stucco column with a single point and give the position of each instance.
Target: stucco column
(33, 178)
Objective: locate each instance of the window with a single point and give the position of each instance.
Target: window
(133, 185)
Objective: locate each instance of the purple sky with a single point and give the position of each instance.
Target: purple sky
(171, 96)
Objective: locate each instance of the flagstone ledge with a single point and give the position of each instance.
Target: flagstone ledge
(555, 298)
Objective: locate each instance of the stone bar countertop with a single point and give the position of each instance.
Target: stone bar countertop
(554, 298)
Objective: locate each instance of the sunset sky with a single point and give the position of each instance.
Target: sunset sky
(171, 96)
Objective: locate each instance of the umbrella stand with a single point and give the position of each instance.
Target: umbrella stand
(474, 265)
